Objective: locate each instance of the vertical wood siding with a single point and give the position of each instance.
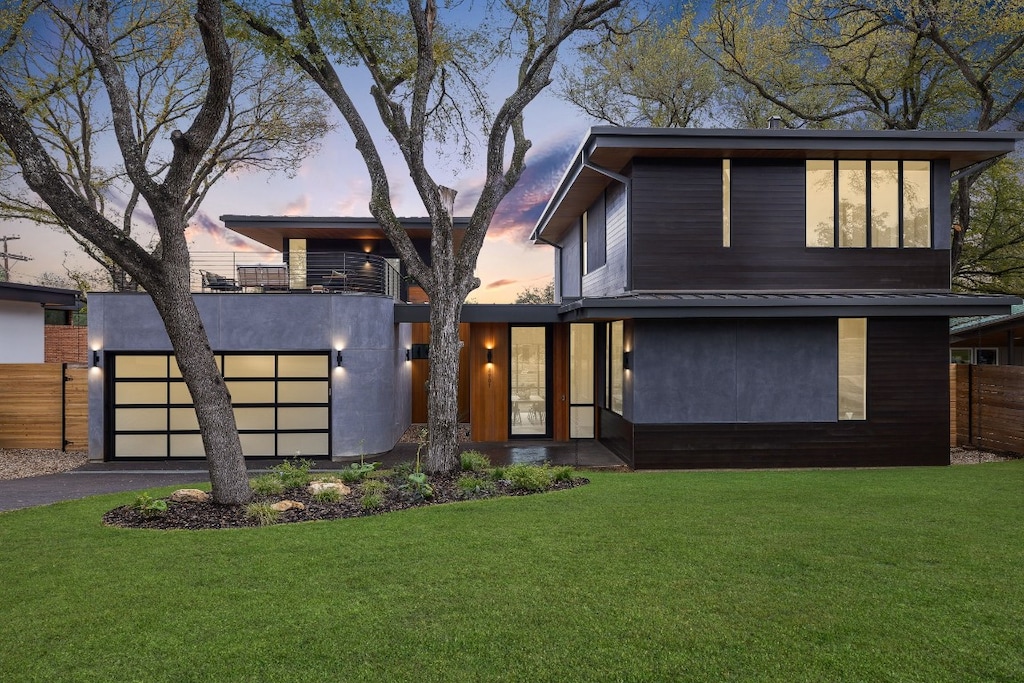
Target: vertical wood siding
(40, 407)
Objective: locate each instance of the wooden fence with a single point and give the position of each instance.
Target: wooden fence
(987, 407)
(44, 405)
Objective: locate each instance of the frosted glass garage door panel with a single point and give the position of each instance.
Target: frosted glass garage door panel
(302, 418)
(302, 366)
(183, 419)
(257, 444)
(251, 392)
(141, 366)
(140, 419)
(179, 393)
(302, 392)
(248, 366)
(255, 418)
(302, 444)
(187, 446)
(141, 445)
(152, 393)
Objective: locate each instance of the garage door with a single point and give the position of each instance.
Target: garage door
(281, 403)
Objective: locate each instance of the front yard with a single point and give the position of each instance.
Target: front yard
(853, 575)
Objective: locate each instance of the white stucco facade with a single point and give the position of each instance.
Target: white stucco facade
(22, 332)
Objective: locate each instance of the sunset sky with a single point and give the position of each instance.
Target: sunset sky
(334, 183)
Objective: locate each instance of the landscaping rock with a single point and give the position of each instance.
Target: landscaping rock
(316, 487)
(190, 496)
(286, 505)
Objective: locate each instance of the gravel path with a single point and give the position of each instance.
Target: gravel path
(16, 463)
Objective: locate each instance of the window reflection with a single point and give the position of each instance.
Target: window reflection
(885, 204)
(917, 204)
(853, 341)
(821, 215)
(853, 209)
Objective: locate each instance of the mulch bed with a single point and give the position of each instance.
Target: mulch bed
(213, 516)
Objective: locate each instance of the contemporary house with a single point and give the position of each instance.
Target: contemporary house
(724, 298)
(23, 319)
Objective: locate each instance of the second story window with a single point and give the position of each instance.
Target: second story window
(726, 202)
(583, 239)
(853, 203)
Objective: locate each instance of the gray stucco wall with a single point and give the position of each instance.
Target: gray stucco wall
(370, 405)
(703, 371)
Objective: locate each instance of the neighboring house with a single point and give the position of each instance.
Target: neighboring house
(23, 318)
(988, 340)
(724, 298)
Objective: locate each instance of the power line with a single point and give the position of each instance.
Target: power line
(8, 257)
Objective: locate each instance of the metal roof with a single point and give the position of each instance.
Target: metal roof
(610, 148)
(274, 231)
(53, 297)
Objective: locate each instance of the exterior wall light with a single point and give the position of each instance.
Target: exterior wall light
(490, 356)
(337, 358)
(95, 358)
(627, 360)
(408, 354)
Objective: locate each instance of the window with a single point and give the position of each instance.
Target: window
(858, 204)
(853, 342)
(726, 202)
(581, 381)
(583, 222)
(615, 370)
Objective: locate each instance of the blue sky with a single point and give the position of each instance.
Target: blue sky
(334, 183)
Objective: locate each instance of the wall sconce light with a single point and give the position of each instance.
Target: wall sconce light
(337, 358)
(627, 360)
(490, 356)
(408, 354)
(95, 358)
(367, 257)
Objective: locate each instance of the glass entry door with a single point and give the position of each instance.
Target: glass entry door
(528, 400)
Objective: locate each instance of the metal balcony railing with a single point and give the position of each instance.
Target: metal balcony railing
(320, 272)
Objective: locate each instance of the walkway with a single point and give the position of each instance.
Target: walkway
(113, 477)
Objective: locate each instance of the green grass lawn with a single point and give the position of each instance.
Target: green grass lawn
(854, 575)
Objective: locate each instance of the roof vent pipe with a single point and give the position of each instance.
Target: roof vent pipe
(775, 123)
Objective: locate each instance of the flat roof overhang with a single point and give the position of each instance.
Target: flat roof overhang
(989, 331)
(613, 148)
(275, 231)
(51, 297)
(537, 314)
(786, 305)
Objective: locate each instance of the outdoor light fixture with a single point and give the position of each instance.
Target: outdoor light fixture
(490, 355)
(627, 360)
(95, 358)
(337, 358)
(408, 354)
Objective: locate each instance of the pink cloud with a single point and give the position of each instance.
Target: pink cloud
(202, 225)
(298, 207)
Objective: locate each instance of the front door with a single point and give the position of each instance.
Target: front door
(530, 378)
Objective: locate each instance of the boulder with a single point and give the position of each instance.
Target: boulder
(286, 505)
(316, 487)
(190, 496)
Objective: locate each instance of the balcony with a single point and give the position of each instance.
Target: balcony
(336, 272)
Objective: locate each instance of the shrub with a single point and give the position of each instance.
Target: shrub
(529, 477)
(373, 501)
(563, 473)
(475, 487)
(149, 506)
(474, 461)
(330, 495)
(375, 486)
(267, 484)
(418, 487)
(294, 473)
(356, 472)
(403, 469)
(262, 513)
(498, 473)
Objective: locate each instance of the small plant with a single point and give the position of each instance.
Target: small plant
(331, 495)
(474, 461)
(373, 501)
(498, 473)
(267, 484)
(418, 486)
(563, 473)
(403, 469)
(375, 486)
(356, 472)
(529, 477)
(475, 487)
(262, 513)
(149, 506)
(294, 473)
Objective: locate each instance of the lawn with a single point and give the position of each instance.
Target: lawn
(853, 575)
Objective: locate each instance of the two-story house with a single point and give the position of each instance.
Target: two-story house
(724, 298)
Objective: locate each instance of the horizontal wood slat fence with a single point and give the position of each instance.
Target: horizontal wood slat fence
(987, 407)
(44, 405)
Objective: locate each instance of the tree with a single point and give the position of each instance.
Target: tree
(537, 295)
(428, 82)
(164, 275)
(273, 120)
(992, 258)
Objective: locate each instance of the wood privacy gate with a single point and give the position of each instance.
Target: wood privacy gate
(44, 405)
(987, 407)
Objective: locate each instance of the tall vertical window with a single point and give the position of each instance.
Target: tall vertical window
(615, 370)
(583, 241)
(917, 205)
(297, 263)
(853, 344)
(726, 202)
(821, 203)
(581, 381)
(853, 203)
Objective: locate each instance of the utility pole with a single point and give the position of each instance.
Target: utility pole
(8, 257)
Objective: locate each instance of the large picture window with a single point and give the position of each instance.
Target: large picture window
(856, 204)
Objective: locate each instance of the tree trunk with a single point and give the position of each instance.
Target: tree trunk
(228, 474)
(961, 212)
(443, 389)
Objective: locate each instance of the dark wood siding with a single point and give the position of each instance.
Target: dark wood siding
(677, 234)
(616, 433)
(610, 279)
(908, 416)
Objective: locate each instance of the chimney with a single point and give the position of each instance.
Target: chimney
(775, 123)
